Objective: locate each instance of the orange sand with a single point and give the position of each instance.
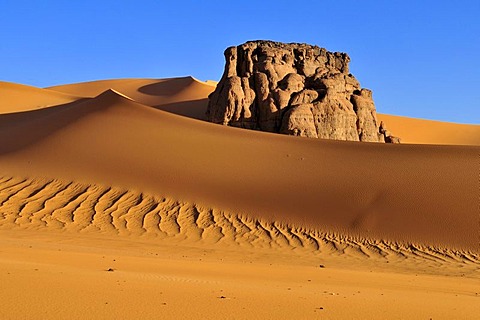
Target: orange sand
(206, 221)
(432, 132)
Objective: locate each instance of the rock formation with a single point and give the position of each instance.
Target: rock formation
(296, 89)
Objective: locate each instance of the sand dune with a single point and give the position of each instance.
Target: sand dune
(18, 98)
(226, 217)
(432, 132)
(410, 193)
(185, 96)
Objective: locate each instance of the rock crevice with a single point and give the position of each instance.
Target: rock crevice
(295, 89)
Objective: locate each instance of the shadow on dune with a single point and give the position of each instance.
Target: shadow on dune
(166, 88)
(19, 130)
(22, 129)
(195, 109)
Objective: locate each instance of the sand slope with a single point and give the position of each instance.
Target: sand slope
(410, 193)
(422, 131)
(18, 98)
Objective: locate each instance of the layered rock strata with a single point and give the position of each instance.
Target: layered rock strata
(296, 89)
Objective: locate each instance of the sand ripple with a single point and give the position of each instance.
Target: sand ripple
(77, 207)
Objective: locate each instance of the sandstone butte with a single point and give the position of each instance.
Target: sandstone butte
(295, 89)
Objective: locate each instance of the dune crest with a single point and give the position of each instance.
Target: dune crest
(212, 83)
(151, 92)
(115, 92)
(184, 96)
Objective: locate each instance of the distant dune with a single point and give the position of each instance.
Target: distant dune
(185, 96)
(129, 160)
(432, 132)
(18, 98)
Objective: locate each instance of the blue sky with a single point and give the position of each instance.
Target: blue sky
(420, 58)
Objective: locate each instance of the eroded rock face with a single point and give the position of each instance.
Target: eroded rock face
(296, 89)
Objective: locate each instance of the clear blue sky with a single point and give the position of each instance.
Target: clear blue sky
(420, 58)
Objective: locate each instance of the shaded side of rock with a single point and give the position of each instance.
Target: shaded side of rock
(299, 121)
(387, 135)
(367, 123)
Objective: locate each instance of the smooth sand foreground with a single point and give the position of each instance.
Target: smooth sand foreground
(118, 202)
(48, 275)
